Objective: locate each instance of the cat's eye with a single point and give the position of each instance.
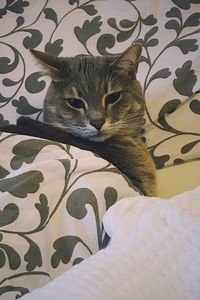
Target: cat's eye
(112, 98)
(75, 103)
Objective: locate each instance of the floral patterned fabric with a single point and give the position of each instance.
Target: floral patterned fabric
(52, 201)
(169, 70)
(53, 197)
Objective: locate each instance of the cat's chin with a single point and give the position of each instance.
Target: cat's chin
(93, 137)
(99, 137)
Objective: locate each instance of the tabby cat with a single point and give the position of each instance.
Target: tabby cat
(100, 105)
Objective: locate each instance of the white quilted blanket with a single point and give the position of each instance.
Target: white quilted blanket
(154, 254)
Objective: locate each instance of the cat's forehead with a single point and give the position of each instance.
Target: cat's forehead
(88, 65)
(88, 74)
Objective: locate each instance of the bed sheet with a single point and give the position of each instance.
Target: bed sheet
(169, 69)
(52, 201)
(63, 192)
(153, 254)
(177, 179)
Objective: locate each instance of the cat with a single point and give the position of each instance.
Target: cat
(96, 103)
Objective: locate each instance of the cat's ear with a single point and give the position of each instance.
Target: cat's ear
(129, 59)
(51, 65)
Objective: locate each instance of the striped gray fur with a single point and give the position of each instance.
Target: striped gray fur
(99, 99)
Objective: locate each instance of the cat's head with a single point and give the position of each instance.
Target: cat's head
(94, 97)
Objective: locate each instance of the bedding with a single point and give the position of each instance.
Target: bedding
(153, 254)
(177, 179)
(52, 196)
(169, 70)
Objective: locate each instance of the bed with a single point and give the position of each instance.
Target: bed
(59, 205)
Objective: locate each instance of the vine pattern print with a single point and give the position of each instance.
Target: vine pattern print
(66, 191)
(169, 32)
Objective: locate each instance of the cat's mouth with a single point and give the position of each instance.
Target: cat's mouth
(90, 135)
(99, 137)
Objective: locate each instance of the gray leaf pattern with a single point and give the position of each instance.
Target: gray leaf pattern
(43, 183)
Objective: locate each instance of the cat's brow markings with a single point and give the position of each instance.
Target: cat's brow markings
(75, 92)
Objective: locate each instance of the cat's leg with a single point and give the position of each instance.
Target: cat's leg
(31, 127)
(132, 158)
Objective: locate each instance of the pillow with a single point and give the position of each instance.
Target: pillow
(52, 200)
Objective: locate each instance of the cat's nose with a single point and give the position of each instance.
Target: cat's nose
(97, 123)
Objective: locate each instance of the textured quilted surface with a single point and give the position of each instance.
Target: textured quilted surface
(153, 254)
